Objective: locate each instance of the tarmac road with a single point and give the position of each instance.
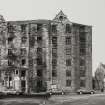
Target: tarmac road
(96, 99)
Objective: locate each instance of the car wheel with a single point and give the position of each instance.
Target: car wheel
(62, 93)
(92, 92)
(50, 93)
(80, 92)
(17, 93)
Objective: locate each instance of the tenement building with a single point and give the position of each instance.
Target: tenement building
(36, 55)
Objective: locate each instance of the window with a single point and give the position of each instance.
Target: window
(68, 73)
(9, 40)
(23, 62)
(54, 52)
(3, 82)
(39, 50)
(68, 40)
(82, 83)
(83, 45)
(16, 72)
(68, 82)
(39, 73)
(68, 28)
(23, 73)
(54, 62)
(31, 41)
(33, 29)
(39, 61)
(82, 37)
(0, 52)
(61, 18)
(10, 28)
(23, 39)
(9, 63)
(82, 73)
(54, 40)
(23, 28)
(39, 84)
(54, 73)
(23, 85)
(82, 62)
(23, 51)
(39, 27)
(82, 51)
(30, 62)
(39, 39)
(68, 62)
(54, 67)
(10, 52)
(82, 28)
(54, 28)
(68, 51)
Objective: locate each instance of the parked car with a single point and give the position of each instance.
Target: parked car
(85, 91)
(56, 91)
(11, 92)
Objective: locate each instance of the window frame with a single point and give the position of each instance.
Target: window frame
(68, 28)
(68, 40)
(68, 82)
(68, 62)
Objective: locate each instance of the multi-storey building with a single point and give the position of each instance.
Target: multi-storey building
(42, 54)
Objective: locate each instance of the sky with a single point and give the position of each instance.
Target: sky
(89, 12)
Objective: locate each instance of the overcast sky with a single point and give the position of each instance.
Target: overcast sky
(90, 12)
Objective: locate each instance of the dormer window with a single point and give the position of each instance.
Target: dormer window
(61, 18)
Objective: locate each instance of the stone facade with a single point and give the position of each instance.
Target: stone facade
(44, 54)
(99, 79)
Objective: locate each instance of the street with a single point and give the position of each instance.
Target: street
(95, 99)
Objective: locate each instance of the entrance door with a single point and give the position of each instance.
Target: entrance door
(23, 85)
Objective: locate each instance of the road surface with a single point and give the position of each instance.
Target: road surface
(96, 99)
